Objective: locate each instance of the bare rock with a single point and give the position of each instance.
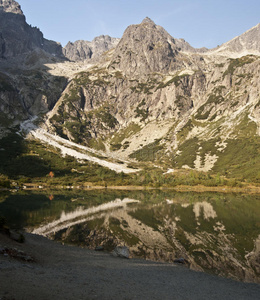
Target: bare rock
(121, 251)
(85, 50)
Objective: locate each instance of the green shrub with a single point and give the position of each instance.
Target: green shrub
(238, 62)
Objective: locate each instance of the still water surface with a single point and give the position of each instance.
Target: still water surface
(214, 232)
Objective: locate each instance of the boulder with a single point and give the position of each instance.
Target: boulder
(121, 251)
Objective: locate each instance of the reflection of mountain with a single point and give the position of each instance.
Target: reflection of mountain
(218, 235)
(80, 215)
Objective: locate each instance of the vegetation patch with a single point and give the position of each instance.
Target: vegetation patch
(240, 159)
(183, 133)
(124, 133)
(76, 129)
(144, 87)
(176, 80)
(150, 152)
(238, 62)
(141, 112)
(188, 153)
(103, 113)
(97, 143)
(214, 99)
(246, 128)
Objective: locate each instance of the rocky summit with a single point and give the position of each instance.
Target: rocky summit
(85, 50)
(145, 98)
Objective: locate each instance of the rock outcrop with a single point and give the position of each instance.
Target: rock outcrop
(146, 48)
(85, 50)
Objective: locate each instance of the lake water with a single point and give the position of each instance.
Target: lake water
(214, 232)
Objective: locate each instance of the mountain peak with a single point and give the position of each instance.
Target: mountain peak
(146, 48)
(148, 20)
(246, 43)
(10, 6)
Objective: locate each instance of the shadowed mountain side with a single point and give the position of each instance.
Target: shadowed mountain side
(17, 37)
(26, 87)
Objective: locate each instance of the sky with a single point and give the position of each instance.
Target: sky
(202, 23)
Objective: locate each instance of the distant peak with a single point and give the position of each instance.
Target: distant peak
(147, 20)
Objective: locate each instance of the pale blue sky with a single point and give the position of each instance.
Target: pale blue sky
(200, 22)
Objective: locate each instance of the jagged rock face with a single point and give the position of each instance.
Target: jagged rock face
(146, 48)
(17, 37)
(84, 50)
(100, 101)
(79, 50)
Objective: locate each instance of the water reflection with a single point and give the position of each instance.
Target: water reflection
(217, 233)
(80, 215)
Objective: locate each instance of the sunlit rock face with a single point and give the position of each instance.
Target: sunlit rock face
(85, 50)
(246, 43)
(10, 6)
(198, 103)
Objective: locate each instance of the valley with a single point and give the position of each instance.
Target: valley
(142, 142)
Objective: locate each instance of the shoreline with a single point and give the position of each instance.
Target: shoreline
(68, 272)
(178, 188)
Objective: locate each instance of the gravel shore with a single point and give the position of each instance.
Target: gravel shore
(68, 272)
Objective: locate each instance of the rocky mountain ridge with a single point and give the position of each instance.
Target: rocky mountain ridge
(151, 98)
(85, 50)
(146, 85)
(246, 43)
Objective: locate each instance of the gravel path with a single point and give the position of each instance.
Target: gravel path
(67, 272)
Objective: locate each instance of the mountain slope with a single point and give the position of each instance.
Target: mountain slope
(151, 101)
(26, 87)
(150, 98)
(246, 43)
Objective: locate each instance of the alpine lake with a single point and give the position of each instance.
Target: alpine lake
(218, 233)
